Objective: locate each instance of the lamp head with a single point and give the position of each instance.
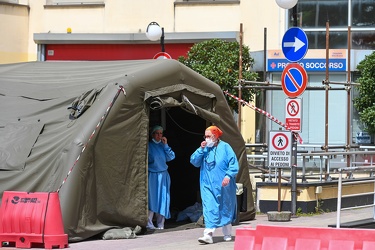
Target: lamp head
(153, 31)
(286, 4)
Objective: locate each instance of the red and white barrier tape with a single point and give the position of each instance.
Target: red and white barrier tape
(265, 113)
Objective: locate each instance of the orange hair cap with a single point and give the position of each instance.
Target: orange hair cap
(215, 130)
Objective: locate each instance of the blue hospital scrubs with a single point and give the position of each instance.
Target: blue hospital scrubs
(219, 203)
(159, 181)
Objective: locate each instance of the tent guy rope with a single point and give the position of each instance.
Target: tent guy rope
(121, 89)
(265, 113)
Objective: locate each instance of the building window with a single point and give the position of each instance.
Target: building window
(9, 1)
(315, 14)
(193, 2)
(363, 12)
(363, 40)
(337, 39)
(312, 16)
(73, 2)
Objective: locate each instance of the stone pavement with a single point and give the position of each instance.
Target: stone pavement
(188, 239)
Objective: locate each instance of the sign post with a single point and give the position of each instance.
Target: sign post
(294, 83)
(281, 155)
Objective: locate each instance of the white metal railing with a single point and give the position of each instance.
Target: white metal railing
(326, 158)
(348, 182)
(321, 164)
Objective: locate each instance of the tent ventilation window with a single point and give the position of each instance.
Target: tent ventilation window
(156, 103)
(82, 103)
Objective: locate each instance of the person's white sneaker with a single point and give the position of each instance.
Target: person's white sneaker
(227, 237)
(206, 239)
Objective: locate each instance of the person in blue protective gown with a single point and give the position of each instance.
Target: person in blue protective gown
(159, 181)
(218, 170)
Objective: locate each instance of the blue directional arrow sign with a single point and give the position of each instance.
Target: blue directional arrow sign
(294, 44)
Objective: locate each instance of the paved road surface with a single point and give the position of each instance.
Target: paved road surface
(187, 239)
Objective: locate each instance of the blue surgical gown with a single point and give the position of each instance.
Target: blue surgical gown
(219, 203)
(159, 181)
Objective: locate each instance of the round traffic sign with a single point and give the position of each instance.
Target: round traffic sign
(280, 141)
(293, 80)
(293, 108)
(162, 55)
(294, 44)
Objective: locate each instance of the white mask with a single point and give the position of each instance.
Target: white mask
(157, 142)
(210, 142)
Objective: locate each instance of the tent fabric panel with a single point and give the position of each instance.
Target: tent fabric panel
(124, 186)
(111, 172)
(44, 165)
(16, 142)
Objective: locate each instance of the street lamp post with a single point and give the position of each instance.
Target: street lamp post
(286, 4)
(289, 4)
(154, 32)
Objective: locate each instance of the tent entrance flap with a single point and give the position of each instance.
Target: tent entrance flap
(205, 114)
(175, 90)
(198, 103)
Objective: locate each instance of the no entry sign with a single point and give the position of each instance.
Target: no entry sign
(293, 112)
(280, 149)
(294, 80)
(162, 55)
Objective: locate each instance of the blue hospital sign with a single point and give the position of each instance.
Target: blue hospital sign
(314, 61)
(310, 65)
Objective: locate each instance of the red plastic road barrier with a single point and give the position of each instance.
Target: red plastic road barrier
(32, 219)
(265, 237)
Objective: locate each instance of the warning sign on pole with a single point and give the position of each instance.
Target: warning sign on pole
(280, 149)
(293, 114)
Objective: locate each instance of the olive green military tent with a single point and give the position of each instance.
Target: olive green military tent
(81, 129)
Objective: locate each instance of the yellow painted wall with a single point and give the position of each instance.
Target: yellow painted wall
(248, 124)
(14, 26)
